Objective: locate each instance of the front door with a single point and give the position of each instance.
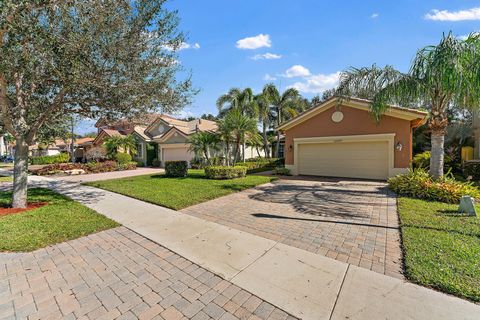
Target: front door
(152, 153)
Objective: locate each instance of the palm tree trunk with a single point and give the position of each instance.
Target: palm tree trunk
(277, 148)
(266, 148)
(20, 174)
(437, 154)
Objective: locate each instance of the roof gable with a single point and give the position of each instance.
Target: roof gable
(394, 111)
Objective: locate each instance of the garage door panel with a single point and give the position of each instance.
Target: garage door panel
(177, 154)
(352, 159)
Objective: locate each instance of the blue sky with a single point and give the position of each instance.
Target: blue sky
(304, 43)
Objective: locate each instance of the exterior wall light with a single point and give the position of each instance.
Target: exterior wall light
(399, 146)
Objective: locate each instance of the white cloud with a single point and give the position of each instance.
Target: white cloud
(268, 77)
(296, 71)
(266, 56)
(461, 15)
(185, 45)
(317, 83)
(259, 41)
(374, 15)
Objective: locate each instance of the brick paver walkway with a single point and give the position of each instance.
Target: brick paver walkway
(118, 274)
(351, 221)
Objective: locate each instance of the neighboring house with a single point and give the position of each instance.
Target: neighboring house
(158, 136)
(339, 138)
(476, 134)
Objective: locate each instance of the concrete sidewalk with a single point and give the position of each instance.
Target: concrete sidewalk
(307, 285)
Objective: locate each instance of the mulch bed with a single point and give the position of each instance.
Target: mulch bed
(4, 211)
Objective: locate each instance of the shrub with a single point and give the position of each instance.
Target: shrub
(156, 163)
(57, 168)
(421, 160)
(258, 164)
(282, 171)
(96, 154)
(223, 172)
(99, 167)
(472, 169)
(140, 163)
(419, 184)
(176, 168)
(123, 158)
(58, 158)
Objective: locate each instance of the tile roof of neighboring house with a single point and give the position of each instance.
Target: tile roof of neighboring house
(140, 130)
(112, 132)
(87, 140)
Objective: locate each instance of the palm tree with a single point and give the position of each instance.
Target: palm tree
(286, 105)
(265, 117)
(240, 126)
(242, 100)
(203, 142)
(225, 130)
(126, 143)
(439, 76)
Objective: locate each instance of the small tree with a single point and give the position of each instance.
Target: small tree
(241, 126)
(109, 58)
(203, 143)
(114, 144)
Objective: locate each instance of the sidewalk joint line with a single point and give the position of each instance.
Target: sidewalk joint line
(339, 291)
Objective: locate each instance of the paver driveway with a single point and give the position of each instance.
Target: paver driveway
(118, 274)
(351, 221)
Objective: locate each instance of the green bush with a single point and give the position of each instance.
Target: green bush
(472, 169)
(258, 164)
(156, 163)
(223, 172)
(421, 160)
(419, 184)
(176, 168)
(140, 163)
(123, 158)
(58, 158)
(282, 171)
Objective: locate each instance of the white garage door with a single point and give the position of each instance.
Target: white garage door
(176, 154)
(367, 160)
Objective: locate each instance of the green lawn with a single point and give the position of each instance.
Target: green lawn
(441, 247)
(178, 193)
(62, 219)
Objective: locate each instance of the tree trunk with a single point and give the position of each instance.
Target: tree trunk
(437, 154)
(277, 148)
(243, 149)
(20, 174)
(265, 141)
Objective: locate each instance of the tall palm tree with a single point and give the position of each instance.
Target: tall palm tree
(241, 100)
(286, 105)
(240, 126)
(265, 117)
(439, 76)
(203, 142)
(225, 129)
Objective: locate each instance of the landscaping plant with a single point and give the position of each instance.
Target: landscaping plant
(58, 158)
(419, 184)
(177, 169)
(224, 172)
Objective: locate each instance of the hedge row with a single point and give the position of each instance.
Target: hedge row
(90, 167)
(58, 158)
(223, 172)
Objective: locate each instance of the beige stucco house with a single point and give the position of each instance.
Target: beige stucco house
(339, 138)
(159, 136)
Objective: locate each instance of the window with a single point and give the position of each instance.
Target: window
(139, 150)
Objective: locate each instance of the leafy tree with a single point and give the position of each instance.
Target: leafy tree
(203, 143)
(285, 106)
(208, 116)
(439, 76)
(110, 58)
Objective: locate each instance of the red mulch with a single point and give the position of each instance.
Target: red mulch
(4, 211)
